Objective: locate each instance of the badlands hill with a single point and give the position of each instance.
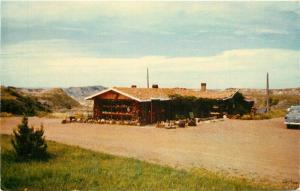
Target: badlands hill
(79, 93)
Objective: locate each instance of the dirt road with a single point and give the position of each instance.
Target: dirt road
(255, 149)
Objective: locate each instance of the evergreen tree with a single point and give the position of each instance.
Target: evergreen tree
(29, 143)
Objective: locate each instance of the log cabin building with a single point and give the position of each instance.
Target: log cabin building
(150, 105)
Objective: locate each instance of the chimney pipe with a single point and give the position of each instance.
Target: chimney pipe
(155, 86)
(147, 78)
(203, 87)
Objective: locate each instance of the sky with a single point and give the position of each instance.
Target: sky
(225, 44)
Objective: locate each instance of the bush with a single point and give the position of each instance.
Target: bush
(29, 143)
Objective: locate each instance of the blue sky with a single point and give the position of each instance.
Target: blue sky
(226, 44)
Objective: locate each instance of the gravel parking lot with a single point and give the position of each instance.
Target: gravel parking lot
(254, 149)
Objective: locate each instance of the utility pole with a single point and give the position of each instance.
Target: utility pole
(147, 78)
(268, 95)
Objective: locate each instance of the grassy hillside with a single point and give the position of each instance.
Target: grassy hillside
(73, 168)
(57, 99)
(12, 101)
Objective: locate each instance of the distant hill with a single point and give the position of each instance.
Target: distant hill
(79, 93)
(285, 91)
(279, 98)
(15, 102)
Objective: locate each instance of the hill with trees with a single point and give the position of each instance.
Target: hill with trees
(22, 101)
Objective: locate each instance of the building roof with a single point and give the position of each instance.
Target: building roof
(147, 94)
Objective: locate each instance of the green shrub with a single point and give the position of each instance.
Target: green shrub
(29, 143)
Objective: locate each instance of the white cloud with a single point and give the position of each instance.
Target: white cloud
(46, 63)
(259, 31)
(43, 49)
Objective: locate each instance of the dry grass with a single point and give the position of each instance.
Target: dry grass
(275, 113)
(60, 115)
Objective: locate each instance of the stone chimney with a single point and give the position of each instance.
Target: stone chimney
(203, 87)
(155, 86)
(133, 86)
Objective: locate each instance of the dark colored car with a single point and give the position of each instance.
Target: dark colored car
(292, 118)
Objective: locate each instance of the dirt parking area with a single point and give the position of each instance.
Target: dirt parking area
(254, 149)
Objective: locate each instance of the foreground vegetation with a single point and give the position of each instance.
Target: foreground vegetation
(71, 168)
(28, 142)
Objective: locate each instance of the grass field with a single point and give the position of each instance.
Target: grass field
(73, 168)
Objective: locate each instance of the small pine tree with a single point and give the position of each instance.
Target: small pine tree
(29, 143)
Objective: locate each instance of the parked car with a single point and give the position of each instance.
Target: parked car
(292, 118)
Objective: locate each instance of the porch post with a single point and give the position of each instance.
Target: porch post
(151, 111)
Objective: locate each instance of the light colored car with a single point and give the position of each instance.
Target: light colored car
(292, 118)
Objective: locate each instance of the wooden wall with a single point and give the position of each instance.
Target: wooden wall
(112, 105)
